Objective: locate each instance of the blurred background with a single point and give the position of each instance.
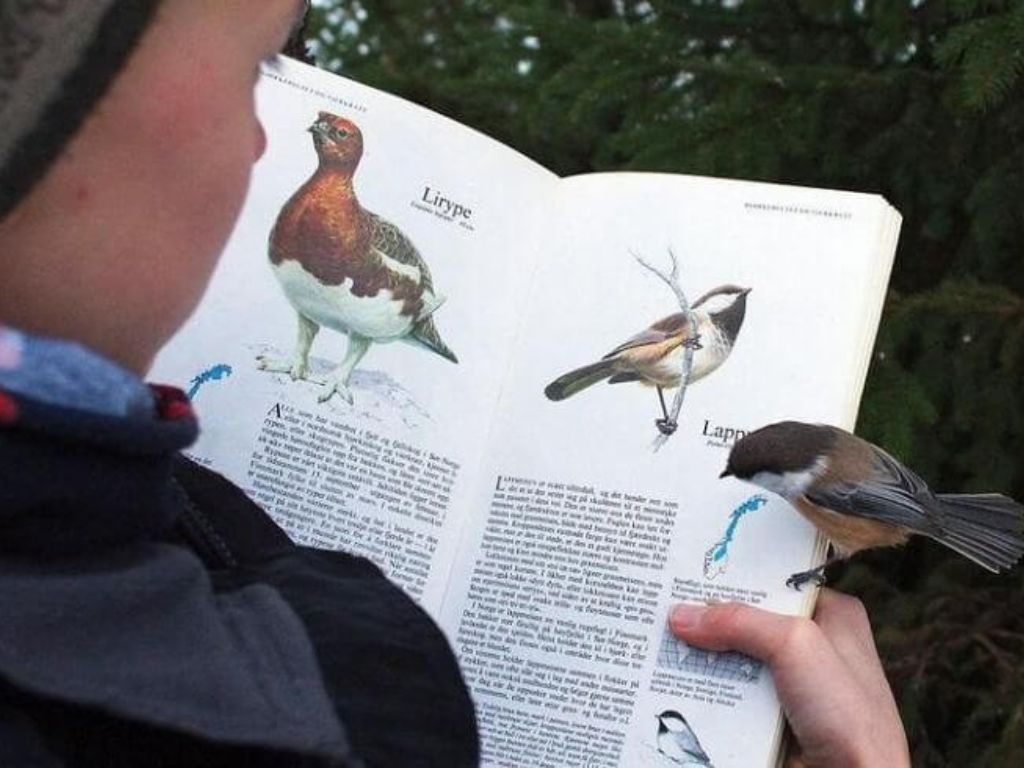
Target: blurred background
(921, 101)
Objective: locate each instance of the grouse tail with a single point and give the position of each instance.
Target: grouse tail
(987, 528)
(570, 383)
(425, 333)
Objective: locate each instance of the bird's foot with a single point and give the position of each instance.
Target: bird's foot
(816, 575)
(666, 426)
(335, 387)
(693, 343)
(297, 369)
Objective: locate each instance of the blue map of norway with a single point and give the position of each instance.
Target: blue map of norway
(716, 559)
(214, 373)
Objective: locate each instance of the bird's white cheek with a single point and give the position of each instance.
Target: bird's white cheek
(789, 485)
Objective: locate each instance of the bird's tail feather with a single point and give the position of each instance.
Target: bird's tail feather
(431, 303)
(987, 528)
(568, 384)
(426, 334)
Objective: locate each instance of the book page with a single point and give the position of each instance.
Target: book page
(584, 536)
(406, 243)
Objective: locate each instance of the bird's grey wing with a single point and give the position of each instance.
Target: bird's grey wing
(389, 240)
(890, 494)
(664, 329)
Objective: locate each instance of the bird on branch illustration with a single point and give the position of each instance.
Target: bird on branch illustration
(653, 357)
(346, 268)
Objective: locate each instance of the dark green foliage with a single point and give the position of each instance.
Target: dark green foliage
(921, 101)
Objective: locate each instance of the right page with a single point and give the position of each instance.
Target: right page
(583, 535)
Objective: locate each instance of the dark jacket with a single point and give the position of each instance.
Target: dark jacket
(151, 614)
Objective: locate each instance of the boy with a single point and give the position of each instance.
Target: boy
(152, 615)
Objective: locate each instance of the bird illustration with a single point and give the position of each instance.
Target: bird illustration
(860, 497)
(678, 742)
(654, 356)
(346, 268)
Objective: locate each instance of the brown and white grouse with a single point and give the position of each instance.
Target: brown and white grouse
(346, 268)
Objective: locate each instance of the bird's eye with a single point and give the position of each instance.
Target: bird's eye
(339, 133)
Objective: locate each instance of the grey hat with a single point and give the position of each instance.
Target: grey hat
(57, 58)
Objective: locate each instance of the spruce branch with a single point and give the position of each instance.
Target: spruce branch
(672, 281)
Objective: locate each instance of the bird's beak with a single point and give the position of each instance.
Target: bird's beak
(725, 473)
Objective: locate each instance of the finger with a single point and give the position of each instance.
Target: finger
(832, 715)
(845, 623)
(796, 649)
(774, 638)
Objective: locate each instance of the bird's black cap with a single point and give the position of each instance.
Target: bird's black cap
(788, 446)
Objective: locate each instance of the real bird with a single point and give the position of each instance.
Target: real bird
(655, 356)
(678, 742)
(346, 268)
(860, 497)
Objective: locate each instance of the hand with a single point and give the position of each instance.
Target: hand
(827, 673)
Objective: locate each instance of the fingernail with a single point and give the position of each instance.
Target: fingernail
(686, 616)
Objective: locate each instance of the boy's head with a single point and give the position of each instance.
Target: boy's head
(127, 136)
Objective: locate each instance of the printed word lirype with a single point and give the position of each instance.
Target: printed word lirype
(446, 206)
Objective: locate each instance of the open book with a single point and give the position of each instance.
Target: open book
(422, 347)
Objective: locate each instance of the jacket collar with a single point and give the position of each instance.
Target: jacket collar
(96, 610)
(86, 449)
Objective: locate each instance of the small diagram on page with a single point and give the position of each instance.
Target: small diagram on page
(675, 743)
(654, 356)
(347, 269)
(716, 559)
(674, 654)
(216, 372)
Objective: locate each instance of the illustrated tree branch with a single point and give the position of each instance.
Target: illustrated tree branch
(668, 425)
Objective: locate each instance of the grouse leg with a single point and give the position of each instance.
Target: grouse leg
(338, 381)
(665, 425)
(298, 366)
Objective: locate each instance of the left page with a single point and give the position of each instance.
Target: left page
(362, 444)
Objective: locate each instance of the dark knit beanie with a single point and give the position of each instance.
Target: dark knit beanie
(57, 59)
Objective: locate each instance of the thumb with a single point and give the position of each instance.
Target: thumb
(797, 650)
(740, 627)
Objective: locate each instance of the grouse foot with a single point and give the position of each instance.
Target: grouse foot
(333, 387)
(297, 369)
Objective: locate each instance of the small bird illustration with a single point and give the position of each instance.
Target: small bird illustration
(678, 742)
(860, 497)
(654, 356)
(346, 268)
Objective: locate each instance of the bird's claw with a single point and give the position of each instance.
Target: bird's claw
(693, 343)
(797, 580)
(666, 426)
(295, 369)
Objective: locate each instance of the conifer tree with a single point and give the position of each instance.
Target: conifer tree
(921, 101)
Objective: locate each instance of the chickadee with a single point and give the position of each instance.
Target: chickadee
(654, 356)
(678, 742)
(860, 497)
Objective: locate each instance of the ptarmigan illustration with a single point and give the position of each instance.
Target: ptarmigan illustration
(346, 268)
